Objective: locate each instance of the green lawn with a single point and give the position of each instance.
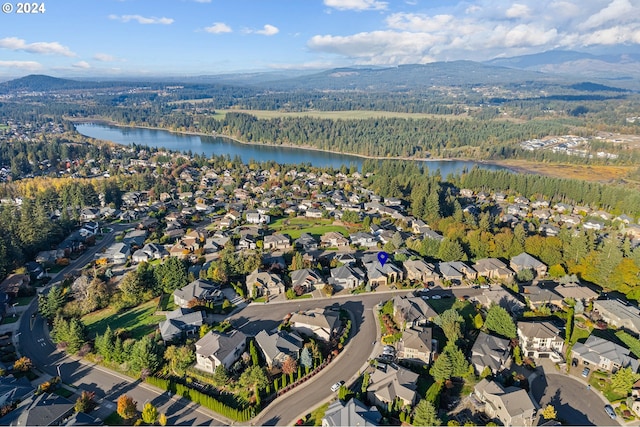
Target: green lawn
(294, 227)
(601, 381)
(139, 320)
(9, 319)
(22, 301)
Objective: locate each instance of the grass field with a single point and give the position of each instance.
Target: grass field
(352, 114)
(139, 320)
(294, 227)
(583, 172)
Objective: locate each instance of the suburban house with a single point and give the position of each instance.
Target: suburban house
(410, 311)
(264, 284)
(351, 413)
(181, 321)
(511, 405)
(277, 242)
(490, 351)
(219, 349)
(14, 389)
(135, 238)
(524, 261)
(388, 382)
(381, 274)
(603, 354)
(494, 269)
(333, 239)
(46, 409)
(347, 277)
(306, 242)
(308, 278)
(197, 290)
(576, 291)
(541, 340)
(420, 271)
(149, 252)
(361, 238)
(278, 346)
(539, 295)
(255, 217)
(617, 314)
(13, 283)
(501, 297)
(318, 322)
(417, 345)
(116, 253)
(456, 271)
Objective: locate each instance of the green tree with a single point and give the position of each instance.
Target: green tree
(451, 323)
(623, 379)
(132, 289)
(500, 321)
(220, 375)
(171, 275)
(459, 363)
(297, 263)
(179, 359)
(253, 351)
(51, 303)
(305, 359)
(451, 250)
(442, 368)
(149, 413)
(145, 354)
(425, 414)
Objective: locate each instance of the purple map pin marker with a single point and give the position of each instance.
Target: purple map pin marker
(383, 257)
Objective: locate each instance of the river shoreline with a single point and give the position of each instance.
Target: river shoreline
(299, 147)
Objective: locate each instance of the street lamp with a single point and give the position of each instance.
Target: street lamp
(14, 308)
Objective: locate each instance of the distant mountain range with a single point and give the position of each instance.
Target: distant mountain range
(611, 66)
(564, 68)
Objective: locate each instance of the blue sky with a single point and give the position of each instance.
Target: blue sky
(193, 37)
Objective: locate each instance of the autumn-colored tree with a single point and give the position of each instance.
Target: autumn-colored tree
(85, 403)
(162, 420)
(126, 407)
(23, 364)
(149, 413)
(289, 366)
(549, 413)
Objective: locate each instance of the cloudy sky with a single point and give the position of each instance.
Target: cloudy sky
(187, 37)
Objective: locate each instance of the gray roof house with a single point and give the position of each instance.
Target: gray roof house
(351, 413)
(379, 274)
(524, 261)
(493, 268)
(412, 311)
(277, 242)
(388, 382)
(490, 351)
(263, 283)
(603, 354)
(13, 389)
(363, 239)
(308, 278)
(116, 253)
(421, 271)
(306, 242)
(502, 297)
(150, 251)
(319, 322)
(512, 405)
(541, 339)
(456, 271)
(417, 345)
(347, 277)
(198, 289)
(219, 349)
(617, 314)
(278, 346)
(181, 321)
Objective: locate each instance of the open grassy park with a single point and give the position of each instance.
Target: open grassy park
(294, 227)
(139, 320)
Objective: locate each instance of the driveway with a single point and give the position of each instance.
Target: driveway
(574, 403)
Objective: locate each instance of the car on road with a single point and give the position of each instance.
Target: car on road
(609, 410)
(485, 286)
(585, 372)
(337, 386)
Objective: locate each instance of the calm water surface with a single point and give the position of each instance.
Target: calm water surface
(215, 145)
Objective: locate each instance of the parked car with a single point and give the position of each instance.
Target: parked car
(585, 372)
(609, 410)
(485, 286)
(337, 386)
(436, 297)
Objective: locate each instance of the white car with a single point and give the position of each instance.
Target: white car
(337, 386)
(436, 297)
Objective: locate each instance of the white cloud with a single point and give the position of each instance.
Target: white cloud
(82, 64)
(104, 57)
(142, 19)
(518, 11)
(268, 30)
(45, 48)
(356, 4)
(23, 65)
(218, 28)
(416, 22)
(617, 10)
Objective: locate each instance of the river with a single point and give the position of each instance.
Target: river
(216, 145)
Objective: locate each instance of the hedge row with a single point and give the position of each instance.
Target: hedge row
(201, 399)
